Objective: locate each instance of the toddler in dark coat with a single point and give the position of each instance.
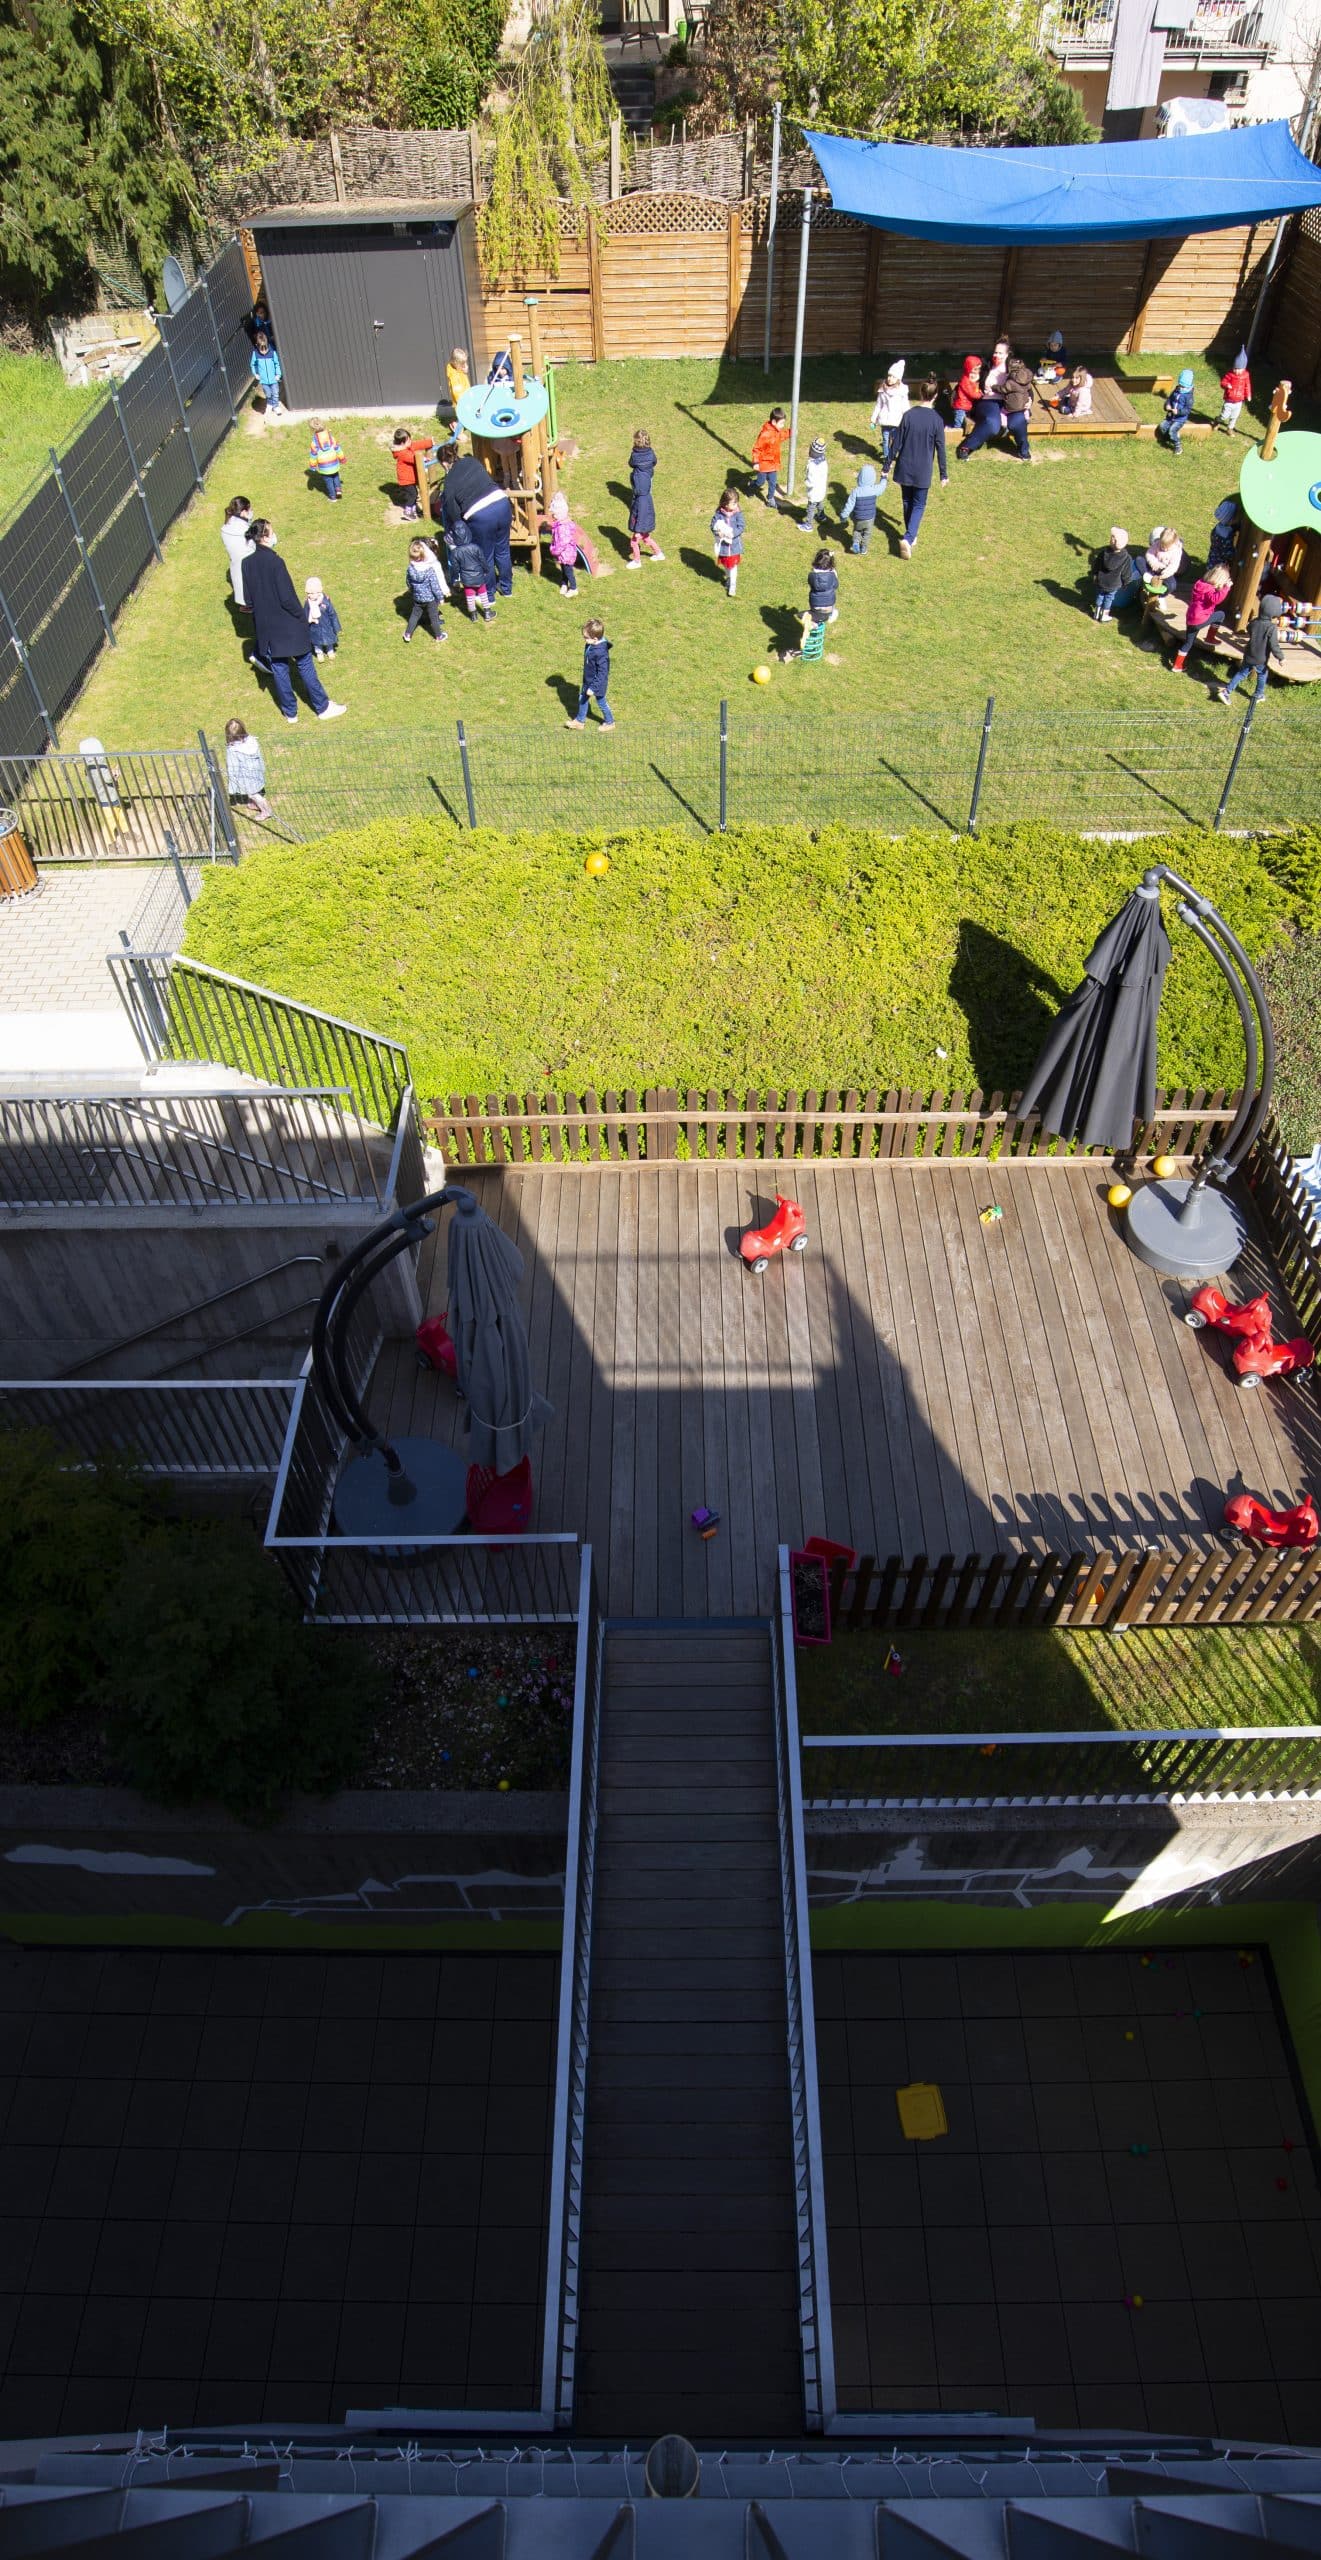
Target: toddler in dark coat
(642, 505)
(596, 677)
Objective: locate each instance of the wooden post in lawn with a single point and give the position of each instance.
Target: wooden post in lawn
(1256, 544)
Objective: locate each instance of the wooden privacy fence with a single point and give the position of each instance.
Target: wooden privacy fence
(817, 1126)
(1146, 1586)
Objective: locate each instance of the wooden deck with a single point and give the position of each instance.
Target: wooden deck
(915, 1383)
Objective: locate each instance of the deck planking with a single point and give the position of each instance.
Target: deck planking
(915, 1382)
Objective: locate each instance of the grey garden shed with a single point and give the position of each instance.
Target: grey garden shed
(366, 302)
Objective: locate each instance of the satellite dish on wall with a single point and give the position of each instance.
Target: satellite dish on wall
(174, 285)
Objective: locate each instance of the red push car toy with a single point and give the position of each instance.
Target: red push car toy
(786, 1232)
(1256, 1520)
(1255, 1360)
(1252, 1320)
(435, 1347)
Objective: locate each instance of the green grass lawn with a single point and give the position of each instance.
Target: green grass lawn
(995, 601)
(985, 1681)
(38, 409)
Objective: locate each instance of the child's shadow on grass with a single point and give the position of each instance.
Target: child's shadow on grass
(866, 446)
(1080, 596)
(784, 625)
(685, 411)
(1079, 543)
(617, 539)
(704, 565)
(567, 691)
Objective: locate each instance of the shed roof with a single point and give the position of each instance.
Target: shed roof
(332, 214)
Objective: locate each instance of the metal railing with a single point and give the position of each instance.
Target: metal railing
(564, 2246)
(211, 1427)
(814, 2315)
(181, 1008)
(200, 1306)
(953, 771)
(1151, 1765)
(136, 804)
(1218, 28)
(280, 1148)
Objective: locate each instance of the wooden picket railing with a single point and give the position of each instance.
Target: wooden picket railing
(832, 1126)
(1169, 1586)
(1290, 1222)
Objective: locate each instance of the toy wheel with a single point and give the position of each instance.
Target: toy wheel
(799, 1245)
(422, 1360)
(761, 1264)
(1249, 1382)
(1194, 1321)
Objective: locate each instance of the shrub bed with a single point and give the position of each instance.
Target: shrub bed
(768, 957)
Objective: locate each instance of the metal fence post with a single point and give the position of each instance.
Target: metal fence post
(724, 766)
(26, 664)
(83, 552)
(179, 872)
(1234, 762)
(467, 773)
(220, 800)
(982, 753)
(183, 414)
(205, 291)
(122, 425)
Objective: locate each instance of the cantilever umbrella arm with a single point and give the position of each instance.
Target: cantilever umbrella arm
(348, 1283)
(1227, 951)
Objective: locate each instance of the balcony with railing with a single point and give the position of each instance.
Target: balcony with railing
(1220, 34)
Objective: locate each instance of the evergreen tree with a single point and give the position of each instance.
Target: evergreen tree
(83, 157)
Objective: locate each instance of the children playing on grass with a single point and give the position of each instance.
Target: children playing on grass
(1116, 576)
(889, 412)
(245, 770)
(919, 446)
(405, 448)
(767, 456)
(1016, 406)
(1207, 606)
(566, 541)
(859, 508)
(967, 391)
(1224, 535)
(325, 458)
(1054, 364)
(822, 600)
(267, 372)
(1236, 384)
(467, 568)
(642, 505)
(427, 591)
(1163, 560)
(1075, 401)
(727, 528)
(596, 678)
(322, 620)
(817, 478)
(1177, 409)
(458, 378)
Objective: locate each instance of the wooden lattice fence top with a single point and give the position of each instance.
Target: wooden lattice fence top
(637, 217)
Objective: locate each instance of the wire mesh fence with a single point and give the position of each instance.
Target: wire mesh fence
(78, 541)
(1106, 772)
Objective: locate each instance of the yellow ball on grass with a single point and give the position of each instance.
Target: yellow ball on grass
(597, 865)
(761, 675)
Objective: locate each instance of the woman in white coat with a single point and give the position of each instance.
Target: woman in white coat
(234, 535)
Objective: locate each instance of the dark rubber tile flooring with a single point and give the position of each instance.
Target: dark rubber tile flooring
(989, 2269)
(245, 2186)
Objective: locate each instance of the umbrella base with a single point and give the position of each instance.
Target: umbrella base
(1196, 1247)
(434, 1494)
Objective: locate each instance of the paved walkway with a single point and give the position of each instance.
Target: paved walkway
(57, 1005)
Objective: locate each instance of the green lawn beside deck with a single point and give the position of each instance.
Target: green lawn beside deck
(38, 409)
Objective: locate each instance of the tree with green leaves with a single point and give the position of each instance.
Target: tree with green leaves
(85, 156)
(911, 70)
(545, 136)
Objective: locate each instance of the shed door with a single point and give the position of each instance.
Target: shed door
(405, 275)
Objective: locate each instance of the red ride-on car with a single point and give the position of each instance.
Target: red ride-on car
(1252, 1320)
(1267, 1528)
(1257, 1360)
(786, 1232)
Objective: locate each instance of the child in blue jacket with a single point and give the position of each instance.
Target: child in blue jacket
(1177, 409)
(267, 372)
(596, 677)
(323, 624)
(426, 592)
(860, 506)
(727, 529)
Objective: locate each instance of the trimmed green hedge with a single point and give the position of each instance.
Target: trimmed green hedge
(769, 957)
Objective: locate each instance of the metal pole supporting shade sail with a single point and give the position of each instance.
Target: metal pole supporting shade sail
(490, 1338)
(1096, 1073)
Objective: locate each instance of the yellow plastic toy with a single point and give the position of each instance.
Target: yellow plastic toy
(1164, 1166)
(761, 675)
(921, 2111)
(597, 865)
(1119, 1195)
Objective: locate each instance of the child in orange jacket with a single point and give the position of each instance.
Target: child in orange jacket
(767, 455)
(404, 450)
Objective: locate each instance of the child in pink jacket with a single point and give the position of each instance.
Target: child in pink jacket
(567, 540)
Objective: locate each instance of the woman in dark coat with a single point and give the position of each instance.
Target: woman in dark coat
(642, 509)
(470, 496)
(283, 637)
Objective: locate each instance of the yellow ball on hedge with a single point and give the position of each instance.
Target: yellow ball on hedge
(1119, 1195)
(597, 865)
(1164, 1166)
(761, 675)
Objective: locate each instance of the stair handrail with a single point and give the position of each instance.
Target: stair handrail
(564, 2239)
(818, 2346)
(181, 1315)
(243, 1333)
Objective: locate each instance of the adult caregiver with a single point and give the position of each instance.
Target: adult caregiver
(283, 638)
(470, 496)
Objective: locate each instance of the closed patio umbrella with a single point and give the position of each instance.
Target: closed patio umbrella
(490, 1337)
(1096, 1073)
